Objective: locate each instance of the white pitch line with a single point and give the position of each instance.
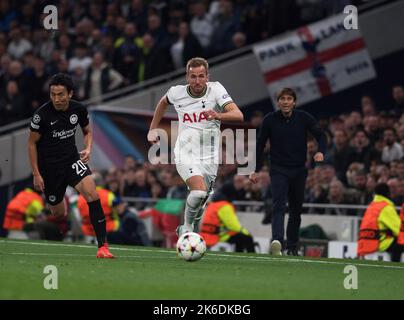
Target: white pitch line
(59, 254)
(216, 254)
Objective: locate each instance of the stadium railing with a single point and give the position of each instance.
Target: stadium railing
(260, 204)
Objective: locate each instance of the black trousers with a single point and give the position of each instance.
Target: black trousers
(287, 187)
(242, 242)
(395, 251)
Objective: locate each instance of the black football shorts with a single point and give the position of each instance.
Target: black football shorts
(58, 177)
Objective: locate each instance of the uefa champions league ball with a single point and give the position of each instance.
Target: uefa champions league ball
(191, 246)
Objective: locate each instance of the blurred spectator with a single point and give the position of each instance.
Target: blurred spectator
(157, 31)
(233, 190)
(18, 45)
(16, 74)
(135, 184)
(254, 23)
(362, 148)
(45, 45)
(398, 96)
(100, 79)
(392, 149)
(338, 194)
(178, 189)
(127, 53)
(156, 190)
(185, 48)
(256, 119)
(138, 14)
(400, 169)
(108, 49)
(341, 155)
(154, 60)
(13, 106)
(226, 24)
(65, 47)
(372, 128)
(39, 84)
(80, 60)
(202, 23)
(7, 15)
(396, 190)
(48, 227)
(129, 163)
(132, 230)
(5, 62)
(238, 40)
(353, 168)
(368, 106)
(360, 180)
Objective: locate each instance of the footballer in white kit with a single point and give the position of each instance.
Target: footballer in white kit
(197, 147)
(201, 106)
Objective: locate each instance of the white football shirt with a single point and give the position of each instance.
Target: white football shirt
(198, 138)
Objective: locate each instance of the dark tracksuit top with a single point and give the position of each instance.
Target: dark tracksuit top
(287, 157)
(288, 139)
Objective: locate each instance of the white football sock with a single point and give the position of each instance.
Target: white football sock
(195, 201)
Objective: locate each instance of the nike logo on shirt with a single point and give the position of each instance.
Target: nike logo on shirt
(53, 122)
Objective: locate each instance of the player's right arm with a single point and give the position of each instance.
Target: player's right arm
(33, 158)
(161, 109)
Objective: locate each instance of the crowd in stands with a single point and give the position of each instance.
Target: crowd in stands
(107, 45)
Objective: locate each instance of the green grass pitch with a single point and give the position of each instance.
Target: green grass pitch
(158, 274)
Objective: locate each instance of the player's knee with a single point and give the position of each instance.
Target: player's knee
(58, 212)
(196, 198)
(90, 194)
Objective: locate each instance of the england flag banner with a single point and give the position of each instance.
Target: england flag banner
(316, 60)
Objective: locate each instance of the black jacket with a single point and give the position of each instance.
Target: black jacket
(288, 138)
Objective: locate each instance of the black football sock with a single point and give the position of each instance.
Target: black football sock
(97, 218)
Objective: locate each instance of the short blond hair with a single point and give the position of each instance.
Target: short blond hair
(197, 62)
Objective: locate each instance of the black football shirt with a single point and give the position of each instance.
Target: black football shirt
(57, 145)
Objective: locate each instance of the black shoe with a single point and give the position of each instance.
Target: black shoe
(292, 252)
(267, 219)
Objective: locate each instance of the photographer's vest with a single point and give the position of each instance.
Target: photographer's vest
(369, 233)
(400, 239)
(18, 209)
(111, 219)
(210, 227)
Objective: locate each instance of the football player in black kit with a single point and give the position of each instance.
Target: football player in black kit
(55, 160)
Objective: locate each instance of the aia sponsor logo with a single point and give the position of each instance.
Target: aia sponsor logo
(194, 117)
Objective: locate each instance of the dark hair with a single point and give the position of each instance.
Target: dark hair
(62, 79)
(390, 129)
(286, 91)
(361, 129)
(382, 189)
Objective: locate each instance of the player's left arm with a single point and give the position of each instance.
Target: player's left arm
(230, 113)
(88, 143)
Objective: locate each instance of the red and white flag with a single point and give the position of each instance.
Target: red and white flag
(316, 60)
